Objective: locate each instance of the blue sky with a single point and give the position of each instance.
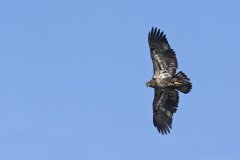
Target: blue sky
(73, 76)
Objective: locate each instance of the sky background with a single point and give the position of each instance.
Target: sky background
(73, 73)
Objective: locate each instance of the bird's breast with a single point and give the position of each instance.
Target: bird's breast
(163, 83)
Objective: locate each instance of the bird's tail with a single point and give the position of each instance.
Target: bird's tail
(183, 83)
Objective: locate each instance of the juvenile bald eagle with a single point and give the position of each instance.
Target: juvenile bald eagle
(165, 81)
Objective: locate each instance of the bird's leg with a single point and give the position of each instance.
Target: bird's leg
(177, 83)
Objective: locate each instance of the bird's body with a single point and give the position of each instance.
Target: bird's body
(165, 81)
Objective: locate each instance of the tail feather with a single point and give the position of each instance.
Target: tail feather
(186, 85)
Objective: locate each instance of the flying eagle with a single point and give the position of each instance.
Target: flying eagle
(165, 81)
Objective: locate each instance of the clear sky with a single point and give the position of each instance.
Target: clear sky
(73, 73)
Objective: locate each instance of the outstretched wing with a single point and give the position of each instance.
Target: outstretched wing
(163, 57)
(165, 103)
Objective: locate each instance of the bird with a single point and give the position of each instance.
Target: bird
(165, 81)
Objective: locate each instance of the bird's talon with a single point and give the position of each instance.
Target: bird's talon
(177, 83)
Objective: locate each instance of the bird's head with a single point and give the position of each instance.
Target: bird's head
(150, 83)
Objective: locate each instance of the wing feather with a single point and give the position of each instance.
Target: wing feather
(163, 57)
(165, 104)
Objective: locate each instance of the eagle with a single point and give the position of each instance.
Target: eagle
(165, 81)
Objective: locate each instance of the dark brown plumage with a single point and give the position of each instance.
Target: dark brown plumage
(165, 81)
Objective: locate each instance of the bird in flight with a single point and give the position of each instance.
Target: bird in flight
(165, 81)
